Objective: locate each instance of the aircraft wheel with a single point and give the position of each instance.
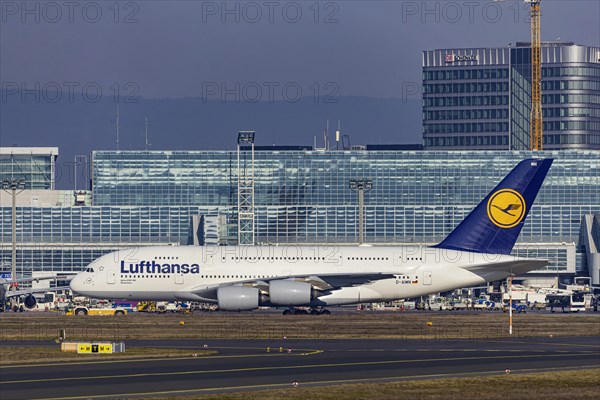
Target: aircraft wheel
(326, 312)
(287, 312)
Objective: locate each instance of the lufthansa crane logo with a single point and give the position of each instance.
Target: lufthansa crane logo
(506, 208)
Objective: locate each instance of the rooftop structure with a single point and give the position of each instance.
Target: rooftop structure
(35, 165)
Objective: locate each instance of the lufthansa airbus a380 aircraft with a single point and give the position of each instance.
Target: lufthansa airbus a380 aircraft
(246, 277)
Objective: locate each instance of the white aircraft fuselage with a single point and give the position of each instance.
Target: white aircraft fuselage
(180, 273)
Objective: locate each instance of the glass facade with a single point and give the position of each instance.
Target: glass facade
(34, 165)
(481, 98)
(418, 197)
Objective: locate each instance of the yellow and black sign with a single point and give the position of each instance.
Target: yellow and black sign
(89, 348)
(506, 208)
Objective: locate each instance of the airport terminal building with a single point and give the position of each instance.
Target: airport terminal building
(301, 195)
(480, 98)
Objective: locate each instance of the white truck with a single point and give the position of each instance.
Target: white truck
(536, 301)
(483, 302)
(49, 301)
(439, 303)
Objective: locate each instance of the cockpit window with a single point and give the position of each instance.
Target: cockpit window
(90, 270)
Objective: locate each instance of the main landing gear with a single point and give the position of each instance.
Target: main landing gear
(304, 311)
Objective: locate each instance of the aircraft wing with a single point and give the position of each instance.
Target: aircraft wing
(336, 281)
(320, 282)
(10, 293)
(36, 279)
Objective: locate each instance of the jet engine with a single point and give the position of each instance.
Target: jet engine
(30, 301)
(237, 298)
(290, 293)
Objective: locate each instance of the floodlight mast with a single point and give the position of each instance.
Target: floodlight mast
(245, 217)
(361, 185)
(11, 186)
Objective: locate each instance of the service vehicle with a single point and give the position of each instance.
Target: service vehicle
(82, 310)
(517, 307)
(567, 302)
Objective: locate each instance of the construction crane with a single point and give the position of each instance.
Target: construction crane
(535, 123)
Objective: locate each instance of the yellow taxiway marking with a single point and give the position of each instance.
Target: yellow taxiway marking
(278, 367)
(316, 383)
(441, 350)
(274, 352)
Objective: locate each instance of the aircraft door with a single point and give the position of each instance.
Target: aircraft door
(179, 279)
(111, 276)
(427, 278)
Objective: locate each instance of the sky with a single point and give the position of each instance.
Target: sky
(202, 70)
(260, 50)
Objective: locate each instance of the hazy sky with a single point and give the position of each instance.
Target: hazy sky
(268, 48)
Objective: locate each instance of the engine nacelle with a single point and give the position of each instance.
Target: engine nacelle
(290, 293)
(30, 301)
(237, 298)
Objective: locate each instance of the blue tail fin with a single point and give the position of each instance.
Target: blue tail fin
(494, 225)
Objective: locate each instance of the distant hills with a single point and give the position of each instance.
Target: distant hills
(77, 126)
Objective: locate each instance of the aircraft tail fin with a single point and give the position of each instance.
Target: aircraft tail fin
(494, 225)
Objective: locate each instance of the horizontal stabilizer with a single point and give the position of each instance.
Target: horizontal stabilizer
(516, 267)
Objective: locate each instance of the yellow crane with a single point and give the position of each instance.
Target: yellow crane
(535, 124)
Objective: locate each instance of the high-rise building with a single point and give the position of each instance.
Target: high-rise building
(480, 98)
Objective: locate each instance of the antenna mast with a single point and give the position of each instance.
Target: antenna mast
(117, 127)
(146, 133)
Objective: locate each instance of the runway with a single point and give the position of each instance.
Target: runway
(244, 365)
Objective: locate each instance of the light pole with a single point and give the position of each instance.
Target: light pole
(361, 185)
(11, 186)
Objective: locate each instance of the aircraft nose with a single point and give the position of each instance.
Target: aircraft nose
(76, 283)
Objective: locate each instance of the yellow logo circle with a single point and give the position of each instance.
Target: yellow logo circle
(506, 208)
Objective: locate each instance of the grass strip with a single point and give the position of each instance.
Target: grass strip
(558, 385)
(270, 326)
